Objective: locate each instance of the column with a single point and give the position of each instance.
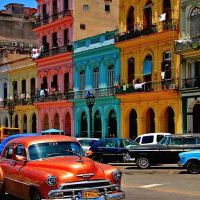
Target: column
(141, 125)
(28, 87)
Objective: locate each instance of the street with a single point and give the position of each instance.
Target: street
(166, 182)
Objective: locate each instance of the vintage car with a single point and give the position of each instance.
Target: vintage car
(191, 161)
(166, 152)
(111, 150)
(44, 167)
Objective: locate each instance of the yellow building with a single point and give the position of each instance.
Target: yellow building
(150, 100)
(22, 87)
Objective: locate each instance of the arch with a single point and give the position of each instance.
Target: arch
(131, 70)
(16, 125)
(150, 121)
(56, 121)
(169, 120)
(130, 19)
(147, 15)
(46, 122)
(67, 127)
(25, 124)
(133, 132)
(97, 125)
(84, 126)
(34, 123)
(112, 124)
(196, 118)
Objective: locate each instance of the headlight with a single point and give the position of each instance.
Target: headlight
(51, 180)
(117, 175)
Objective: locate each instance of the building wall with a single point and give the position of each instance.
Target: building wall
(95, 18)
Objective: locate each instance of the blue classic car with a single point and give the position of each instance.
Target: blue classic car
(111, 150)
(191, 161)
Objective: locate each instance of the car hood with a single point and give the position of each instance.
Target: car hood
(71, 166)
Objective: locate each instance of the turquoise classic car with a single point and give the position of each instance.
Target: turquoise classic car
(191, 161)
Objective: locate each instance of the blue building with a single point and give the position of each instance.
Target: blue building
(97, 70)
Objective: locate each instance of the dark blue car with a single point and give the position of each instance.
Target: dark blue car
(111, 150)
(5, 141)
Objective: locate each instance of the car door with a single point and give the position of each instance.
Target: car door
(18, 184)
(174, 147)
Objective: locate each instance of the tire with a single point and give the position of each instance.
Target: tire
(193, 167)
(143, 163)
(36, 195)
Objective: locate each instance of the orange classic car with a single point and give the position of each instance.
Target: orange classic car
(54, 167)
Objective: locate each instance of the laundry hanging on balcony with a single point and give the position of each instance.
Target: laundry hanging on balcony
(147, 68)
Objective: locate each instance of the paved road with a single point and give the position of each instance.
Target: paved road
(166, 182)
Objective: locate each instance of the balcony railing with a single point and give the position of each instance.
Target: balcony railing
(48, 19)
(187, 44)
(191, 83)
(146, 86)
(56, 51)
(155, 28)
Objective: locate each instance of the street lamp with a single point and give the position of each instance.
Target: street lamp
(90, 99)
(11, 109)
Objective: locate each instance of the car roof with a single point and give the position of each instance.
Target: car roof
(87, 138)
(41, 139)
(186, 135)
(148, 134)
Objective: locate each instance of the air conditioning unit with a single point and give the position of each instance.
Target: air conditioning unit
(14, 44)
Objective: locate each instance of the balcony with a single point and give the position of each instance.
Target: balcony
(154, 28)
(187, 44)
(190, 83)
(48, 19)
(167, 84)
(56, 51)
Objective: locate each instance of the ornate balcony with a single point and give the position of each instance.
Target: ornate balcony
(48, 19)
(56, 51)
(151, 29)
(187, 44)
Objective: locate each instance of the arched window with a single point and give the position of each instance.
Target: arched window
(194, 22)
(130, 19)
(147, 18)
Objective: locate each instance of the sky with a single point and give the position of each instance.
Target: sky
(27, 3)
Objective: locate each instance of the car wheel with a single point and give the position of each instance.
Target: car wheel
(36, 195)
(193, 167)
(143, 163)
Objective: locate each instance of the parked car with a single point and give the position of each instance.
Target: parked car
(7, 139)
(191, 161)
(150, 138)
(111, 150)
(86, 143)
(166, 152)
(43, 167)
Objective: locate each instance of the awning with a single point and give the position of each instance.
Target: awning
(147, 68)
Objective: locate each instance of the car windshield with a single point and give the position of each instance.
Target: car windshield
(53, 149)
(128, 142)
(163, 141)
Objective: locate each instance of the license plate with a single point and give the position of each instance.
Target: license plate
(91, 194)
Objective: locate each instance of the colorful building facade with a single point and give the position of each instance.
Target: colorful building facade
(96, 70)
(150, 100)
(188, 47)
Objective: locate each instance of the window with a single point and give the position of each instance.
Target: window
(147, 139)
(20, 150)
(160, 137)
(138, 140)
(9, 152)
(107, 8)
(65, 33)
(176, 141)
(82, 80)
(96, 78)
(188, 141)
(194, 22)
(110, 75)
(82, 26)
(85, 7)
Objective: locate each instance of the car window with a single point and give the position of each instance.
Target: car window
(84, 142)
(164, 140)
(188, 141)
(8, 152)
(20, 150)
(109, 143)
(138, 140)
(147, 139)
(176, 141)
(159, 137)
(198, 140)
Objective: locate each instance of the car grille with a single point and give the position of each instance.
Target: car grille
(71, 190)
